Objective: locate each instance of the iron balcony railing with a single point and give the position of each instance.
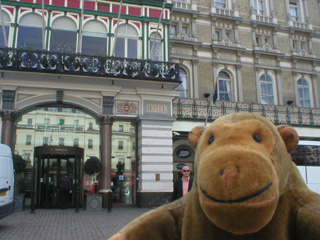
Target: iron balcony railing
(200, 110)
(67, 63)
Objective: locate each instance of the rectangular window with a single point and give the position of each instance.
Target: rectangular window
(267, 93)
(45, 141)
(8, 97)
(63, 41)
(185, 30)
(294, 11)
(26, 156)
(90, 126)
(108, 105)
(90, 144)
(96, 46)
(120, 48)
(29, 121)
(120, 145)
(224, 90)
(227, 35)
(173, 30)
(218, 37)
(2, 43)
(156, 54)
(258, 42)
(47, 121)
(61, 141)
(259, 6)
(76, 123)
(120, 128)
(132, 48)
(28, 140)
(76, 142)
(220, 3)
(29, 38)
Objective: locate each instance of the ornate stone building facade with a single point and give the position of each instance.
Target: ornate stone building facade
(83, 78)
(263, 56)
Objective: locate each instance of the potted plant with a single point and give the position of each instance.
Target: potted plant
(92, 167)
(19, 165)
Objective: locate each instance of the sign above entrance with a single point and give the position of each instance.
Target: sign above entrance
(156, 108)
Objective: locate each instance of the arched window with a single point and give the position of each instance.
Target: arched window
(63, 36)
(126, 42)
(6, 20)
(183, 87)
(30, 32)
(266, 88)
(156, 54)
(94, 39)
(224, 87)
(303, 93)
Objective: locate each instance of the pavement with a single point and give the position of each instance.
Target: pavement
(57, 224)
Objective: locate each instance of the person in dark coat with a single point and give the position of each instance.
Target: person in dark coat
(65, 190)
(182, 185)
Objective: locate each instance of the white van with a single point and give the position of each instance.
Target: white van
(6, 181)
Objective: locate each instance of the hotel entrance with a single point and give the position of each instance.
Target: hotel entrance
(52, 163)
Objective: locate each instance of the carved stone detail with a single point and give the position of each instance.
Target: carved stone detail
(9, 115)
(105, 119)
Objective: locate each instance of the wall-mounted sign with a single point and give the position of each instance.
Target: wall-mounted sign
(180, 166)
(183, 153)
(156, 107)
(127, 107)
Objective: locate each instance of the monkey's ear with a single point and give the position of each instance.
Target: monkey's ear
(195, 135)
(289, 136)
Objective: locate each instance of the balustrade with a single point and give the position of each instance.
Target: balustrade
(53, 62)
(200, 110)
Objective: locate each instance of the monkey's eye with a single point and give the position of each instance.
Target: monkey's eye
(257, 138)
(211, 139)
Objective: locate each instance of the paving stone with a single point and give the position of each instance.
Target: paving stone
(57, 224)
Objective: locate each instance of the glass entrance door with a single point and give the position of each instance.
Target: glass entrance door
(52, 169)
(51, 164)
(49, 183)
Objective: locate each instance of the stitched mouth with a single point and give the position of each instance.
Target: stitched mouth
(239, 200)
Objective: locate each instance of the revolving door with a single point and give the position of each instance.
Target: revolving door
(52, 163)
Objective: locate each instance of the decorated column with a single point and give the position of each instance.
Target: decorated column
(8, 118)
(106, 143)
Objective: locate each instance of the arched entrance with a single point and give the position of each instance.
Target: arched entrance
(51, 163)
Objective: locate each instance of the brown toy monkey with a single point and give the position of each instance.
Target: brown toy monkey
(245, 187)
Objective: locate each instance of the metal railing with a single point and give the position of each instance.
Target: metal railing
(200, 109)
(68, 63)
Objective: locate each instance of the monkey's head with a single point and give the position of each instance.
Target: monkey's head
(242, 165)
